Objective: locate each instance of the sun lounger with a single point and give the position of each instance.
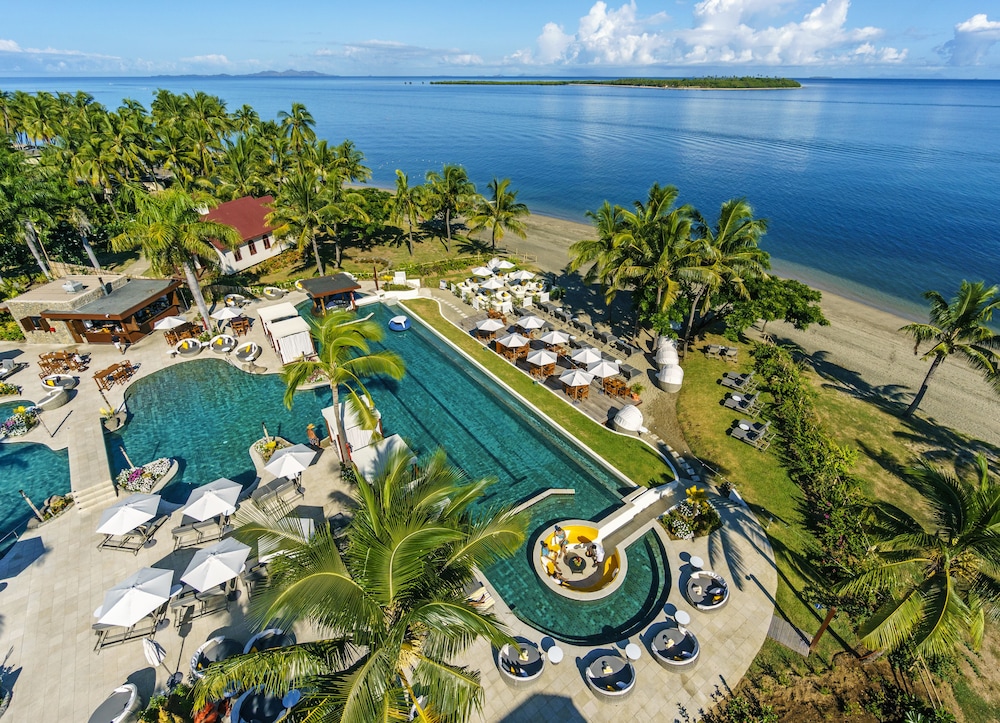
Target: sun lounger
(9, 367)
(196, 533)
(135, 540)
(108, 635)
(748, 403)
(190, 604)
(755, 434)
(630, 372)
(744, 382)
(281, 489)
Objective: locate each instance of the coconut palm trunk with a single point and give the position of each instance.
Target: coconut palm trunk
(319, 262)
(199, 298)
(85, 242)
(923, 387)
(690, 324)
(30, 238)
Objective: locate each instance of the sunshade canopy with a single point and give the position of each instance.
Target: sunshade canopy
(214, 499)
(576, 378)
(587, 355)
(291, 461)
(541, 357)
(170, 322)
(128, 513)
(604, 369)
(555, 337)
(131, 600)
(490, 325)
(513, 340)
(226, 312)
(216, 564)
(530, 322)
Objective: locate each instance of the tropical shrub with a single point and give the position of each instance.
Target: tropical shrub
(6, 388)
(20, 422)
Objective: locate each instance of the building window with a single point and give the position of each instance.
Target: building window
(34, 323)
(237, 255)
(253, 247)
(267, 242)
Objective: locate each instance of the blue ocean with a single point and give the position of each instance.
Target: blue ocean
(875, 189)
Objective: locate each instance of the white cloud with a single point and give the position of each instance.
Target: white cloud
(723, 32)
(381, 53)
(973, 40)
(9, 46)
(210, 59)
(12, 46)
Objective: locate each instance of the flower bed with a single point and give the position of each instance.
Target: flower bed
(7, 388)
(143, 479)
(267, 447)
(694, 517)
(20, 422)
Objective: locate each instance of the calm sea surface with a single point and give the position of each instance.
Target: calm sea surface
(876, 189)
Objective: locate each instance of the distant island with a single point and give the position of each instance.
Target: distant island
(262, 74)
(709, 82)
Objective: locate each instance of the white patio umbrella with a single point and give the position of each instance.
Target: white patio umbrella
(492, 284)
(541, 357)
(513, 340)
(214, 499)
(503, 264)
(482, 271)
(131, 600)
(555, 337)
(494, 262)
(604, 368)
(227, 312)
(128, 513)
(490, 325)
(169, 322)
(216, 564)
(153, 651)
(530, 322)
(521, 275)
(291, 461)
(576, 378)
(587, 355)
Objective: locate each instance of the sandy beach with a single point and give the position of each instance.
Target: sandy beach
(862, 348)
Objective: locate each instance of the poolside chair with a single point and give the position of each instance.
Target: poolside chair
(744, 382)
(9, 367)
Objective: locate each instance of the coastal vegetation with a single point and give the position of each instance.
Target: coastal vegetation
(959, 326)
(713, 82)
(391, 603)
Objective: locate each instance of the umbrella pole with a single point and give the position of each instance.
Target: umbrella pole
(125, 455)
(32, 506)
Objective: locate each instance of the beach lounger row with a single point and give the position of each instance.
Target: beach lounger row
(755, 434)
(742, 382)
(109, 635)
(279, 490)
(749, 403)
(190, 604)
(195, 533)
(135, 540)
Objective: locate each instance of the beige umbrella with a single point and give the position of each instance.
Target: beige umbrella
(490, 325)
(587, 355)
(530, 322)
(555, 338)
(576, 378)
(541, 357)
(513, 340)
(604, 369)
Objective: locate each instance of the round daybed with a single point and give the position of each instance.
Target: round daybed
(248, 352)
(628, 419)
(670, 378)
(222, 343)
(521, 665)
(273, 292)
(268, 639)
(54, 399)
(117, 707)
(214, 650)
(611, 675)
(62, 381)
(399, 323)
(707, 590)
(675, 647)
(255, 706)
(188, 347)
(236, 300)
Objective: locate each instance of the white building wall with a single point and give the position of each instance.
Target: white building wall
(227, 259)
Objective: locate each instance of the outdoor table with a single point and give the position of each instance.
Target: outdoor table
(555, 654)
(697, 562)
(744, 427)
(633, 651)
(682, 617)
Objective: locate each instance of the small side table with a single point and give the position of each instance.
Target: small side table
(633, 651)
(696, 562)
(682, 617)
(555, 654)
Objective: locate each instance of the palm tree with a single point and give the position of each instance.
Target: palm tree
(345, 205)
(350, 161)
(168, 228)
(449, 193)
(500, 213)
(942, 585)
(301, 210)
(405, 206)
(238, 169)
(959, 326)
(344, 358)
(392, 608)
(600, 253)
(297, 126)
(28, 201)
(730, 255)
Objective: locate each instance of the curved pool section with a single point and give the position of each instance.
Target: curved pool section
(34, 468)
(207, 413)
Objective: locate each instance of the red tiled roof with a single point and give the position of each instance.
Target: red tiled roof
(245, 214)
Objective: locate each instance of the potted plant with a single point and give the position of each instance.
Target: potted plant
(635, 390)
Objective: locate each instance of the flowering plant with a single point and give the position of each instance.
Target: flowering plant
(20, 422)
(143, 479)
(7, 388)
(266, 448)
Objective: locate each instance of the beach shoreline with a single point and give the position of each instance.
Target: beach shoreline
(862, 347)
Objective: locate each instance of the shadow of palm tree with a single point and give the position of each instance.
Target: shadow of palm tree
(467, 245)
(738, 524)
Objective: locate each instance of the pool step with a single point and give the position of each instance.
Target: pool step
(96, 497)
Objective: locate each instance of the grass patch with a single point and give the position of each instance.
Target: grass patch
(633, 458)
(763, 483)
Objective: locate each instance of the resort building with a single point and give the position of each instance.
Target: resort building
(94, 309)
(258, 242)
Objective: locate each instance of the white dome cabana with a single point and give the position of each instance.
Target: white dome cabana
(667, 353)
(628, 419)
(670, 378)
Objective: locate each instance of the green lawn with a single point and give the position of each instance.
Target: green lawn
(632, 457)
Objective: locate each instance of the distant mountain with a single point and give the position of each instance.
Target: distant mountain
(262, 74)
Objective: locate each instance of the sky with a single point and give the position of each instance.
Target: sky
(795, 38)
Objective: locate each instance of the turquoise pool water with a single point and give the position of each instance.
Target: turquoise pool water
(206, 413)
(34, 468)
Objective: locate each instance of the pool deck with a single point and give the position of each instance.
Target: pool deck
(55, 577)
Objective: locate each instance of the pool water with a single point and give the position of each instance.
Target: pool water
(34, 468)
(207, 413)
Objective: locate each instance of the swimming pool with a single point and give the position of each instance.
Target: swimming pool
(207, 413)
(34, 468)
